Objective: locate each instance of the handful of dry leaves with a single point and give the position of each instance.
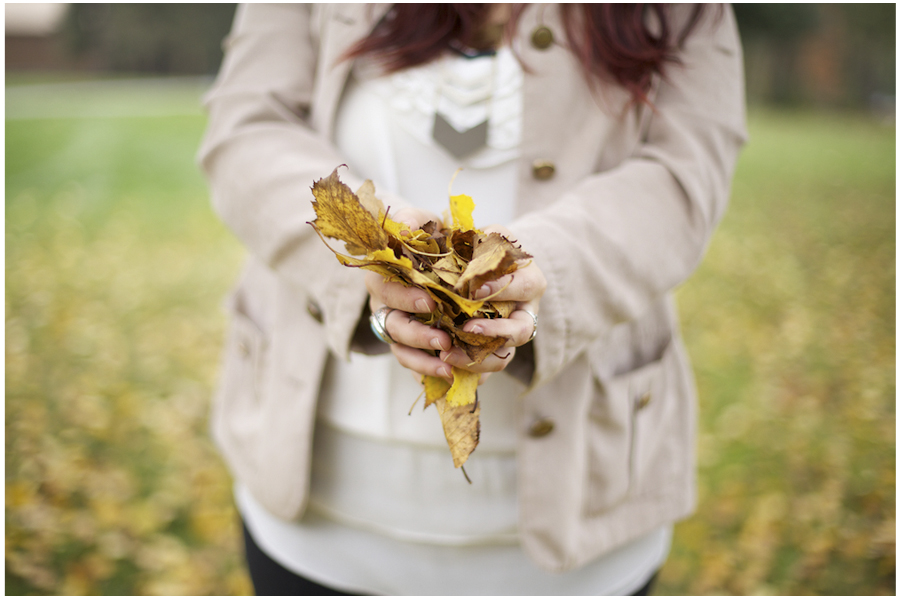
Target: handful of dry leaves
(449, 261)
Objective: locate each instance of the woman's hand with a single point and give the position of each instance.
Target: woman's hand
(428, 350)
(525, 287)
(417, 345)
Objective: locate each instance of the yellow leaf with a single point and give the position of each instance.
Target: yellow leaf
(435, 388)
(470, 307)
(395, 228)
(387, 255)
(425, 246)
(461, 428)
(464, 388)
(461, 207)
(340, 215)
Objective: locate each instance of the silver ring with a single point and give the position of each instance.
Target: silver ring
(534, 318)
(378, 323)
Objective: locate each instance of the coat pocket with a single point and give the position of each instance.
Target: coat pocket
(624, 432)
(661, 424)
(241, 390)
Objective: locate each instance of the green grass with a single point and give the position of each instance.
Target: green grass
(115, 270)
(790, 323)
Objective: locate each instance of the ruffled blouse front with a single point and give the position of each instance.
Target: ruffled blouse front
(466, 92)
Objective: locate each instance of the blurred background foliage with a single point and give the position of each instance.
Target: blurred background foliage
(819, 54)
(116, 267)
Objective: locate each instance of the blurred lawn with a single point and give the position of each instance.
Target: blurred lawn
(115, 268)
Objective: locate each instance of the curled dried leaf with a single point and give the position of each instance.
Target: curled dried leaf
(461, 428)
(340, 215)
(448, 263)
(492, 257)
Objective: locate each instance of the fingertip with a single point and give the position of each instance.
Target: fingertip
(483, 292)
(473, 328)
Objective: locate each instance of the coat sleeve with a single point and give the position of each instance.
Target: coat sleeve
(261, 155)
(620, 239)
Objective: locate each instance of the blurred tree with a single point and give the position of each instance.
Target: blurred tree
(870, 59)
(772, 34)
(776, 22)
(827, 54)
(150, 38)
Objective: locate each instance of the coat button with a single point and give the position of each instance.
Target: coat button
(644, 400)
(314, 311)
(541, 427)
(542, 38)
(542, 169)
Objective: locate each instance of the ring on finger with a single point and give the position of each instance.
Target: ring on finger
(533, 318)
(378, 323)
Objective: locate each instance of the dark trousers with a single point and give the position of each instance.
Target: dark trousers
(271, 579)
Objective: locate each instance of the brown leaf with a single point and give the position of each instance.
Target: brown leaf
(492, 257)
(448, 269)
(479, 346)
(463, 243)
(461, 428)
(427, 246)
(366, 195)
(340, 215)
(499, 308)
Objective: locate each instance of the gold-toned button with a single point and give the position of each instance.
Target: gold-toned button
(644, 400)
(540, 427)
(542, 38)
(314, 311)
(543, 169)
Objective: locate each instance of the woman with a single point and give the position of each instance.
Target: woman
(602, 139)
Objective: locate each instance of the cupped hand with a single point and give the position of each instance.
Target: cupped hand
(525, 287)
(417, 345)
(428, 350)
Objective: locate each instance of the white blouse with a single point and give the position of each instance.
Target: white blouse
(388, 512)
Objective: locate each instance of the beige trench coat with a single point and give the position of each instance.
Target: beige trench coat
(606, 450)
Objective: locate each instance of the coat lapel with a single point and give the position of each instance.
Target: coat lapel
(342, 26)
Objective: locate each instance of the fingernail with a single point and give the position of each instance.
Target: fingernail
(482, 292)
(422, 306)
(436, 344)
(444, 372)
(444, 355)
(476, 329)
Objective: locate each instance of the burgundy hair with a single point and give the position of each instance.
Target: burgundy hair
(610, 41)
